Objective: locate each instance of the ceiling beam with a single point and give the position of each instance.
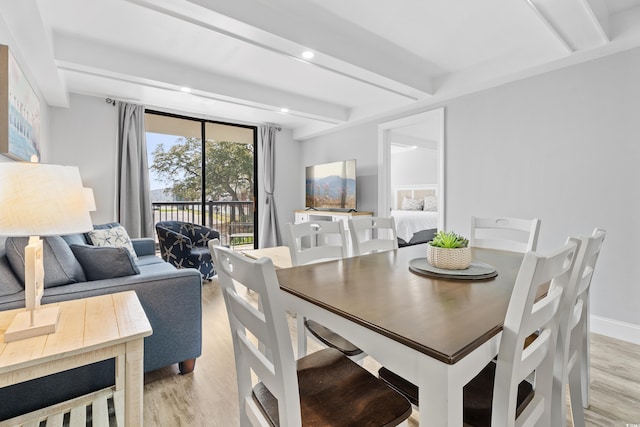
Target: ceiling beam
(355, 55)
(92, 58)
(575, 23)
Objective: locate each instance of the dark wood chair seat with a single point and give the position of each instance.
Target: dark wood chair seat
(334, 390)
(477, 394)
(331, 339)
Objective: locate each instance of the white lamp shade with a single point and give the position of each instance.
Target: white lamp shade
(40, 199)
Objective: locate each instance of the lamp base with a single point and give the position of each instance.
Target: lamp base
(45, 322)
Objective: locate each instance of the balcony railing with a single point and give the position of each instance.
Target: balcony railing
(225, 217)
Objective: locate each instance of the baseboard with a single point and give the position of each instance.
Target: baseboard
(615, 329)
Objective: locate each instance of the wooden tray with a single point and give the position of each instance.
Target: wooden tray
(476, 271)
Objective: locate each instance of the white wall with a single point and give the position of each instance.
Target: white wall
(86, 135)
(562, 147)
(414, 167)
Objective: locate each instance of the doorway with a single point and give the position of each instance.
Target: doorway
(411, 184)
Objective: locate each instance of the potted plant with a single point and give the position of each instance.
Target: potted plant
(449, 251)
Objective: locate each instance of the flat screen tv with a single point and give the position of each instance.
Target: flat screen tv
(331, 186)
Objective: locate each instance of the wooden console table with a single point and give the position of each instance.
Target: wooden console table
(89, 330)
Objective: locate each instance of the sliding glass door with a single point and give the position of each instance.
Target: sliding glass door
(204, 172)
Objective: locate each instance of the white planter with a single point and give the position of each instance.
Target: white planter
(449, 259)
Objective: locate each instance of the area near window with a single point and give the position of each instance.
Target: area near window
(204, 172)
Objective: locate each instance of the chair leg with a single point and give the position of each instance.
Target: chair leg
(585, 364)
(575, 391)
(187, 366)
(302, 336)
(584, 370)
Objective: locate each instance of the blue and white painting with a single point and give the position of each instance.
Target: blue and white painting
(24, 115)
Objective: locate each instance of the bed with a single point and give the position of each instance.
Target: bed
(415, 222)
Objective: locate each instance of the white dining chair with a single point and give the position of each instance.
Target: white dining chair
(571, 362)
(324, 388)
(501, 395)
(316, 241)
(586, 343)
(373, 234)
(507, 234)
(327, 241)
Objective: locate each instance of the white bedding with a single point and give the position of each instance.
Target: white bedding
(410, 222)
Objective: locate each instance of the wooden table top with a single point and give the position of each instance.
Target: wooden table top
(445, 319)
(85, 324)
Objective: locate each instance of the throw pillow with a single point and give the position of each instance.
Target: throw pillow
(60, 266)
(409, 204)
(430, 204)
(105, 262)
(115, 237)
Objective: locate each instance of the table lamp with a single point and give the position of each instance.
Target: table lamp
(91, 201)
(39, 200)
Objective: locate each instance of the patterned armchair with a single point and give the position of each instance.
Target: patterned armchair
(185, 245)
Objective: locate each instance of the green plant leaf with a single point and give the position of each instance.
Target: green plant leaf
(449, 240)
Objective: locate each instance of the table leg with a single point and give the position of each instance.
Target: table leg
(440, 399)
(302, 336)
(134, 382)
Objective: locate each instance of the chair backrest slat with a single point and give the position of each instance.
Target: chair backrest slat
(507, 234)
(326, 239)
(367, 234)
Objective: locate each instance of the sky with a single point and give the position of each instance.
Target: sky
(153, 140)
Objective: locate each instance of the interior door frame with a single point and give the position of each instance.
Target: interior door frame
(384, 161)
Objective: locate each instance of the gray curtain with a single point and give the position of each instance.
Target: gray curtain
(269, 230)
(133, 200)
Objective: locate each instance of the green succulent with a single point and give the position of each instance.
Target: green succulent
(448, 239)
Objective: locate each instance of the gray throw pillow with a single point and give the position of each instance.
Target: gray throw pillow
(104, 262)
(60, 266)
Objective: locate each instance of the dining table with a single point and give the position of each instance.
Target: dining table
(437, 331)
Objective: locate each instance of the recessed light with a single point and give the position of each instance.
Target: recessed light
(307, 54)
(185, 89)
(284, 110)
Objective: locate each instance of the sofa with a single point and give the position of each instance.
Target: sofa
(170, 297)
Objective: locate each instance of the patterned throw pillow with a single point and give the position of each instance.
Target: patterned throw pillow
(430, 204)
(115, 237)
(409, 204)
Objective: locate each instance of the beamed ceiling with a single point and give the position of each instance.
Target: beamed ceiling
(242, 59)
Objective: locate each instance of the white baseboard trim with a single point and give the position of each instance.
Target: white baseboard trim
(615, 329)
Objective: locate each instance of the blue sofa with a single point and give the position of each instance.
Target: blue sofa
(170, 297)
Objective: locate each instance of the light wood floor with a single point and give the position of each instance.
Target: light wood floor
(207, 397)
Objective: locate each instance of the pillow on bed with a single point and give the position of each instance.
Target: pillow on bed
(409, 204)
(430, 204)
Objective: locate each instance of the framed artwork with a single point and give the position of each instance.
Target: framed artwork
(19, 111)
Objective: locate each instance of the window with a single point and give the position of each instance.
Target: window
(204, 172)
